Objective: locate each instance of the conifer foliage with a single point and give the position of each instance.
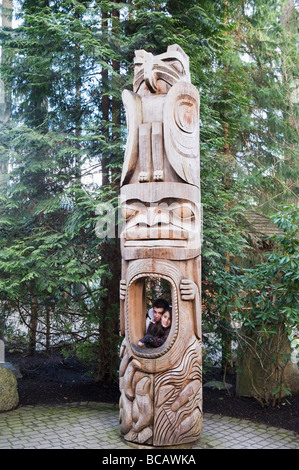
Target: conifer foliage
(61, 149)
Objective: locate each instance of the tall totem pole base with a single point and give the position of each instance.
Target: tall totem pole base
(189, 445)
(161, 387)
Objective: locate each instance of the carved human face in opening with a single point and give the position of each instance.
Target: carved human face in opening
(157, 74)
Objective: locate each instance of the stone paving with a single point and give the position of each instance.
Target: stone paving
(94, 425)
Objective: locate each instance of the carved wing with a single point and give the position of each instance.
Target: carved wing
(132, 104)
(181, 131)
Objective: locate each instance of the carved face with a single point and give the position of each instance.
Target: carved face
(168, 224)
(157, 74)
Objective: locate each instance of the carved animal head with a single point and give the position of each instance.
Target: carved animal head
(157, 74)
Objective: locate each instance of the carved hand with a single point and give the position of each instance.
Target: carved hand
(188, 289)
(122, 289)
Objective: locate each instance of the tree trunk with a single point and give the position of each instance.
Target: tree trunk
(48, 328)
(5, 112)
(33, 327)
(5, 94)
(105, 106)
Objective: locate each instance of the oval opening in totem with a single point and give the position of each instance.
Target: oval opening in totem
(142, 293)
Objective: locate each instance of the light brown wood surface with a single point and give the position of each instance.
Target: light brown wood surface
(161, 388)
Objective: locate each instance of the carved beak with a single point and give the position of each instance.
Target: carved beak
(148, 73)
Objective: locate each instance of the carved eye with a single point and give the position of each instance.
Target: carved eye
(178, 67)
(128, 211)
(184, 212)
(138, 61)
(175, 64)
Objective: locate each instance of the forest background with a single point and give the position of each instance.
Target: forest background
(64, 64)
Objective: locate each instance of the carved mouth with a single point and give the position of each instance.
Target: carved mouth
(155, 233)
(155, 243)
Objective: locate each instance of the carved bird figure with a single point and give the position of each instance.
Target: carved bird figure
(162, 120)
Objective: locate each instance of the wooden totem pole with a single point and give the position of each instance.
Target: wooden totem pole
(161, 388)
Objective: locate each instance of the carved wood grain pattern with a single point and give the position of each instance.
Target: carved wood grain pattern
(160, 400)
(136, 405)
(178, 417)
(145, 151)
(133, 107)
(158, 151)
(181, 131)
(153, 192)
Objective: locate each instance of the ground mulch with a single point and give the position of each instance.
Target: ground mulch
(50, 379)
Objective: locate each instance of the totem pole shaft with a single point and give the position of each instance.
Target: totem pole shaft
(161, 380)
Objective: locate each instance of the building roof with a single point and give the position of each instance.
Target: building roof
(261, 225)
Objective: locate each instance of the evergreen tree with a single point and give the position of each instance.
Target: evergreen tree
(51, 260)
(66, 64)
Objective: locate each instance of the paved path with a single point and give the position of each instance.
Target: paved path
(95, 425)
